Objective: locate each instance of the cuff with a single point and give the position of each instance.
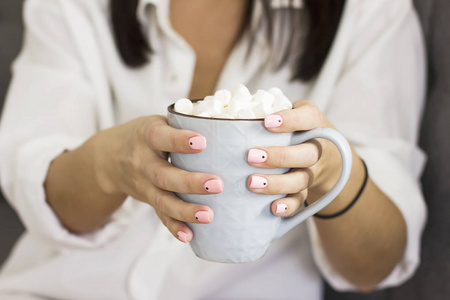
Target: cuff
(29, 198)
(399, 180)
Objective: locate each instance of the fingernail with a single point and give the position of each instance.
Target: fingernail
(281, 208)
(258, 182)
(202, 216)
(273, 121)
(213, 186)
(197, 143)
(182, 236)
(256, 156)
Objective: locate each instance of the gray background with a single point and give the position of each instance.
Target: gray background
(431, 280)
(10, 40)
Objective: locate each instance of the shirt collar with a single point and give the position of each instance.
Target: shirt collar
(143, 5)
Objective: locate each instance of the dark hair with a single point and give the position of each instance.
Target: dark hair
(306, 51)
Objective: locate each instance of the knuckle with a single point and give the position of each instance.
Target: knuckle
(161, 178)
(182, 215)
(304, 179)
(142, 128)
(134, 184)
(170, 225)
(190, 182)
(282, 158)
(322, 147)
(153, 135)
(310, 177)
(313, 154)
(300, 103)
(173, 140)
(303, 195)
(134, 160)
(159, 203)
(162, 217)
(314, 113)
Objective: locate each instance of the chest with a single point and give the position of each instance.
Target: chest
(185, 68)
(211, 29)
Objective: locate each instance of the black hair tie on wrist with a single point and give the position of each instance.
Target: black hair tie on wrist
(366, 176)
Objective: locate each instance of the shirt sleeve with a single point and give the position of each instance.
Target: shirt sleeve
(50, 108)
(377, 104)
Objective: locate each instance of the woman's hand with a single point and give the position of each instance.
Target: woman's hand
(366, 242)
(132, 160)
(307, 161)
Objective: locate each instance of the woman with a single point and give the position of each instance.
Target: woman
(83, 145)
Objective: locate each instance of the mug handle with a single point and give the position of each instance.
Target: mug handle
(346, 155)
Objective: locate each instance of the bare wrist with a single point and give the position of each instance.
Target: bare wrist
(104, 163)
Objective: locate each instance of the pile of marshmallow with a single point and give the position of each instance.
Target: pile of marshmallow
(236, 104)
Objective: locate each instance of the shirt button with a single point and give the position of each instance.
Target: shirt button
(173, 77)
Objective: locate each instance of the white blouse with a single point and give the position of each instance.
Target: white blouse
(69, 82)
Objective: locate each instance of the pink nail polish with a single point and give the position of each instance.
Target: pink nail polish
(281, 208)
(182, 236)
(202, 216)
(273, 121)
(256, 156)
(197, 143)
(258, 182)
(213, 186)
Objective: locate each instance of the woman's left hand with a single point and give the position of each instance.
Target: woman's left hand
(315, 165)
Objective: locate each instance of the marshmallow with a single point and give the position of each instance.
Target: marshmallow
(184, 106)
(262, 109)
(280, 98)
(224, 96)
(210, 105)
(245, 114)
(213, 106)
(241, 93)
(282, 101)
(199, 107)
(235, 105)
(240, 88)
(278, 108)
(209, 98)
(241, 97)
(275, 91)
(263, 96)
(204, 115)
(224, 116)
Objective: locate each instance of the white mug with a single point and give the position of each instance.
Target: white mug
(244, 226)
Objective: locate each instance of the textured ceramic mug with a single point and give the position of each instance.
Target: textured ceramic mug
(244, 226)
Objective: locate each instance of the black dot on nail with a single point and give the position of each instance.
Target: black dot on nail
(279, 121)
(265, 183)
(196, 218)
(190, 143)
(285, 208)
(207, 188)
(263, 156)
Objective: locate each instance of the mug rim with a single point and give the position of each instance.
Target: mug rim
(171, 109)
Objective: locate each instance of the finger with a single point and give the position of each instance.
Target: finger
(158, 135)
(169, 178)
(290, 183)
(304, 116)
(299, 156)
(289, 205)
(169, 204)
(178, 229)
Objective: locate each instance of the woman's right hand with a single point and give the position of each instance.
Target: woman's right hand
(131, 159)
